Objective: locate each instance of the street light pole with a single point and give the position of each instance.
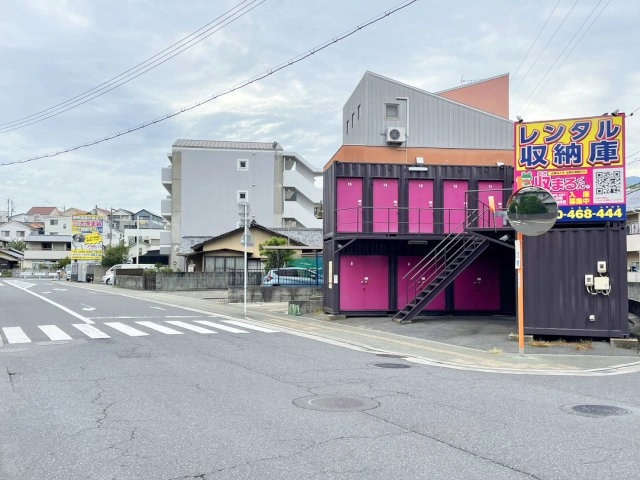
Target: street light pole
(137, 241)
(245, 259)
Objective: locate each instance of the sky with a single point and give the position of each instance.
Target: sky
(566, 59)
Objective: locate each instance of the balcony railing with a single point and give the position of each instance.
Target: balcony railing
(416, 220)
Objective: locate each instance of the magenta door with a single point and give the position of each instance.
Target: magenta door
(420, 206)
(478, 287)
(487, 218)
(385, 205)
(406, 288)
(349, 205)
(364, 283)
(455, 205)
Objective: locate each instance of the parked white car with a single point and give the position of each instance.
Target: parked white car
(292, 276)
(108, 276)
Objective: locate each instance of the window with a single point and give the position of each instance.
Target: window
(352, 119)
(46, 245)
(6, 233)
(243, 196)
(391, 110)
(243, 164)
(53, 222)
(347, 126)
(358, 112)
(20, 233)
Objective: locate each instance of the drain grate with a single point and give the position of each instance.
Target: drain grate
(330, 403)
(599, 410)
(391, 365)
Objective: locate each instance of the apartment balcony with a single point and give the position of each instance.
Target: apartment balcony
(167, 178)
(301, 214)
(303, 184)
(165, 208)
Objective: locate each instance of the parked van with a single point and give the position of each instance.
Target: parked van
(108, 276)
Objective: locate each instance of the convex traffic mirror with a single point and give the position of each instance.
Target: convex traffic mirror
(532, 211)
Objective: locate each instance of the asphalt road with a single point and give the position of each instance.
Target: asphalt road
(277, 404)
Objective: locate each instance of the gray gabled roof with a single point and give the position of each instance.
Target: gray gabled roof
(224, 145)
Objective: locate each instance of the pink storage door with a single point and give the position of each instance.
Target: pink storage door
(455, 210)
(420, 206)
(487, 218)
(349, 205)
(364, 282)
(478, 287)
(385, 205)
(405, 264)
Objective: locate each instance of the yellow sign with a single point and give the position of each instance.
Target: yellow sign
(581, 162)
(86, 241)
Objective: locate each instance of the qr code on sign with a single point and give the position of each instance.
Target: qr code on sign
(609, 185)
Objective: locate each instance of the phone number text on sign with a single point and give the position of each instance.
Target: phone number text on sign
(592, 213)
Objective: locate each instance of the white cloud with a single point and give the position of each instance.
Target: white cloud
(54, 49)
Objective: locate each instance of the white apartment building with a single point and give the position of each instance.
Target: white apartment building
(206, 180)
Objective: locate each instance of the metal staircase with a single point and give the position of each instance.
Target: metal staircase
(439, 268)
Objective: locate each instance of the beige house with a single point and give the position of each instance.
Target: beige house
(225, 253)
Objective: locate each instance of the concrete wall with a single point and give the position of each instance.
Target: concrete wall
(273, 294)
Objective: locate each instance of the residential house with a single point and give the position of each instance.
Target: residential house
(207, 180)
(39, 214)
(46, 250)
(15, 230)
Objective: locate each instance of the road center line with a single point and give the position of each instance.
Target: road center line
(57, 305)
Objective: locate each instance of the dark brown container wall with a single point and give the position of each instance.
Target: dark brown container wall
(556, 299)
(439, 173)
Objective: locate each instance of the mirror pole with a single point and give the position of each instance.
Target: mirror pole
(520, 239)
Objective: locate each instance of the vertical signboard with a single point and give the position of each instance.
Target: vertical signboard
(581, 162)
(86, 243)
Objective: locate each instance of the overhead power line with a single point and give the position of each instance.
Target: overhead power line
(550, 71)
(515, 73)
(546, 45)
(244, 84)
(141, 68)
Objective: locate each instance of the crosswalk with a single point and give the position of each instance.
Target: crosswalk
(142, 328)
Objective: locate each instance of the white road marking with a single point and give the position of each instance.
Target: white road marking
(47, 293)
(90, 331)
(15, 335)
(182, 316)
(87, 308)
(21, 285)
(60, 289)
(126, 329)
(249, 326)
(188, 326)
(157, 308)
(54, 333)
(221, 327)
(160, 328)
(123, 317)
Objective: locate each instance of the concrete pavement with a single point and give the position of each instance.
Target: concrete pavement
(460, 343)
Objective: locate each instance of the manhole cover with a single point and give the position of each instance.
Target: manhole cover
(12, 350)
(391, 365)
(329, 403)
(599, 410)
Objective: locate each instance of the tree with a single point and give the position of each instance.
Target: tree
(64, 262)
(18, 244)
(275, 258)
(115, 255)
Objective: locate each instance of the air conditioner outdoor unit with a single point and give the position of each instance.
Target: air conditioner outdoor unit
(396, 135)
